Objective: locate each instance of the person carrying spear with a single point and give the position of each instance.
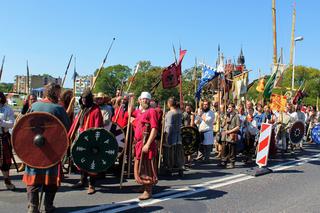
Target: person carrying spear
(145, 132)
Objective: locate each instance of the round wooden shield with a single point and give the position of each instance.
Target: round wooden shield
(315, 134)
(190, 139)
(95, 150)
(297, 132)
(39, 139)
(119, 134)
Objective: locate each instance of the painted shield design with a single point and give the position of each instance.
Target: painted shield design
(119, 134)
(315, 134)
(95, 150)
(40, 139)
(190, 139)
(297, 132)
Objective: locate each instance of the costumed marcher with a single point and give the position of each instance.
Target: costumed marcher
(67, 101)
(89, 116)
(188, 116)
(50, 178)
(6, 122)
(282, 121)
(297, 115)
(27, 103)
(188, 120)
(121, 113)
(145, 132)
(250, 134)
(173, 155)
(106, 110)
(229, 136)
(205, 120)
(260, 116)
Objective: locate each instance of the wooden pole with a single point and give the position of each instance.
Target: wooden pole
(101, 66)
(66, 72)
(162, 135)
(293, 28)
(274, 29)
(131, 103)
(195, 81)
(1, 70)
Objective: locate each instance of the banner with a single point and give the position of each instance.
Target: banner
(278, 102)
(171, 76)
(207, 76)
(239, 85)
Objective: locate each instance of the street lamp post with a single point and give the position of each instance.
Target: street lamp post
(300, 38)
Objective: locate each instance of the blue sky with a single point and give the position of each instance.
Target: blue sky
(47, 32)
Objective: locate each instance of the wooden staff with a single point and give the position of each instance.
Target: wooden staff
(1, 70)
(130, 150)
(66, 72)
(101, 66)
(120, 107)
(162, 134)
(131, 103)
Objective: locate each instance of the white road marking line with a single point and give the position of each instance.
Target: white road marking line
(193, 189)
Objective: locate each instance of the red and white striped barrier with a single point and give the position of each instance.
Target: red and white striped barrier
(263, 145)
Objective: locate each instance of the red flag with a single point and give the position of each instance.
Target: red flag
(170, 76)
(182, 53)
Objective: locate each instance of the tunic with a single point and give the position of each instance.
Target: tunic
(173, 124)
(52, 175)
(148, 116)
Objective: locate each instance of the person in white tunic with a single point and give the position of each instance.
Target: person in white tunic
(205, 119)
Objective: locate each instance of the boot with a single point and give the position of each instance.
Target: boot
(8, 184)
(231, 166)
(48, 202)
(33, 206)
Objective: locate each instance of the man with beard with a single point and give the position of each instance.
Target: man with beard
(173, 156)
(6, 122)
(89, 117)
(49, 178)
(229, 136)
(188, 116)
(106, 109)
(205, 120)
(145, 132)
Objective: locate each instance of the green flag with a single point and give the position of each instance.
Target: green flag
(270, 84)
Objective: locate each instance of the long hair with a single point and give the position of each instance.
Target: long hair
(50, 92)
(66, 97)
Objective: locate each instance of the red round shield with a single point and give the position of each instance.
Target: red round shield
(40, 140)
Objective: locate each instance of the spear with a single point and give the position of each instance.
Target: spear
(28, 74)
(134, 75)
(4, 57)
(101, 67)
(66, 72)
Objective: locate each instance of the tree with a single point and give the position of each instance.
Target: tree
(111, 78)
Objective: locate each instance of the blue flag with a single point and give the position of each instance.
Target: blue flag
(207, 76)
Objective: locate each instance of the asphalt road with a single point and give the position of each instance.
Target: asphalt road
(294, 186)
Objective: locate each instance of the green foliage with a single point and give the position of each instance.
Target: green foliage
(305, 77)
(111, 78)
(6, 87)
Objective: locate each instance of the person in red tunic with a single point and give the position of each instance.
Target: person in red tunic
(145, 128)
(89, 117)
(121, 113)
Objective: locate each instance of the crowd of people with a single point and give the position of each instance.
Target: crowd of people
(225, 131)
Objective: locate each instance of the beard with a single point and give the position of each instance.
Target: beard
(144, 106)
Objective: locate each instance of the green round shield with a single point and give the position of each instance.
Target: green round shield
(95, 150)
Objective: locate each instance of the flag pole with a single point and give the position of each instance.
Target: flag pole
(195, 82)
